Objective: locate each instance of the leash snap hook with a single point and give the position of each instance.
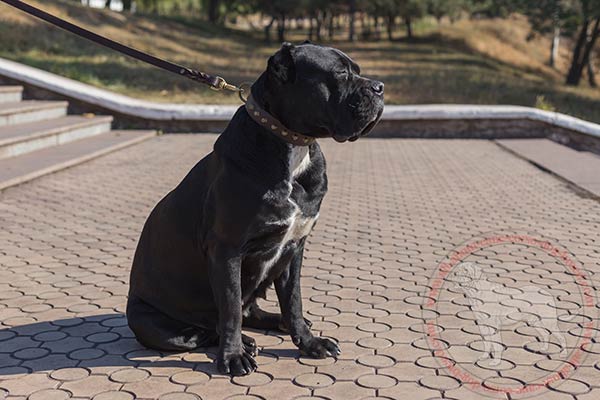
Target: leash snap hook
(223, 85)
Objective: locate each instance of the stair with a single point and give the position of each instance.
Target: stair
(10, 94)
(38, 137)
(24, 138)
(29, 111)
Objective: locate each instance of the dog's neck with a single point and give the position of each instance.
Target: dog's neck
(273, 125)
(265, 155)
(299, 155)
(262, 112)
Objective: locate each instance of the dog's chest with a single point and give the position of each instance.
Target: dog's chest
(296, 222)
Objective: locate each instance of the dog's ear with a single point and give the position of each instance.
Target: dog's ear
(281, 65)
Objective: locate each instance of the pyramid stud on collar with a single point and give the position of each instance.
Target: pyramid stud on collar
(295, 137)
(263, 120)
(256, 113)
(273, 127)
(284, 133)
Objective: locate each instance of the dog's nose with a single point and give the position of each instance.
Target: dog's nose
(377, 88)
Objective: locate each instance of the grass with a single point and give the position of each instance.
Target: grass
(469, 62)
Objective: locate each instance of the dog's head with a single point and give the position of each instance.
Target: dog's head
(318, 91)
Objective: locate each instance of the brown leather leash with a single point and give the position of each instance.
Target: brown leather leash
(213, 81)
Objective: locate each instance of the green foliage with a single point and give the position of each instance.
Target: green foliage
(496, 8)
(543, 104)
(547, 15)
(447, 8)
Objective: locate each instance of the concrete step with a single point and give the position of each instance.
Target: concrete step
(578, 167)
(30, 111)
(23, 168)
(10, 94)
(24, 138)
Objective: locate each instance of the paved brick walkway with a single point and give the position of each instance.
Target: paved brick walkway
(395, 210)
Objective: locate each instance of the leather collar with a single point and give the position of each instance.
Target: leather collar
(273, 125)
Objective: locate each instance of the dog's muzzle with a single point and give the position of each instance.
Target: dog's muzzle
(369, 109)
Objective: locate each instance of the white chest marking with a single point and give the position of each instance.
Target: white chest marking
(299, 226)
(299, 160)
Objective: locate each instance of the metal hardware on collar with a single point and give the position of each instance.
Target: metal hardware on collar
(272, 124)
(215, 82)
(244, 92)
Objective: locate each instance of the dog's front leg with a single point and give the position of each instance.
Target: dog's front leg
(287, 287)
(226, 283)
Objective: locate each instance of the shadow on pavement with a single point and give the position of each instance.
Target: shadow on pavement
(98, 341)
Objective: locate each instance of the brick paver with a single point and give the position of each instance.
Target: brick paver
(395, 210)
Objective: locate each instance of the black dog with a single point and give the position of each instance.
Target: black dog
(238, 221)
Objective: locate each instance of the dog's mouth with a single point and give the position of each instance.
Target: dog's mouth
(365, 131)
(371, 124)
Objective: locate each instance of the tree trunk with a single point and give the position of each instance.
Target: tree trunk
(409, 30)
(377, 28)
(213, 11)
(591, 74)
(579, 64)
(281, 28)
(555, 47)
(572, 77)
(311, 27)
(364, 27)
(319, 26)
(390, 27)
(107, 4)
(268, 30)
(351, 28)
(331, 26)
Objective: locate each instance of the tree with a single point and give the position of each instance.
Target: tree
(377, 9)
(588, 17)
(591, 71)
(495, 8)
(410, 10)
(280, 11)
(212, 8)
(549, 17)
(446, 8)
(382, 10)
(352, 16)
(390, 10)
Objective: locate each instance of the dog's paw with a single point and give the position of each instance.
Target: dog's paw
(320, 348)
(249, 345)
(237, 364)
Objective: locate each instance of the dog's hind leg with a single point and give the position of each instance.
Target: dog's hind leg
(157, 330)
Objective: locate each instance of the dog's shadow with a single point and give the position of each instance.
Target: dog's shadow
(100, 341)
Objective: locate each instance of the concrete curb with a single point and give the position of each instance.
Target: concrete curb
(111, 101)
(140, 109)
